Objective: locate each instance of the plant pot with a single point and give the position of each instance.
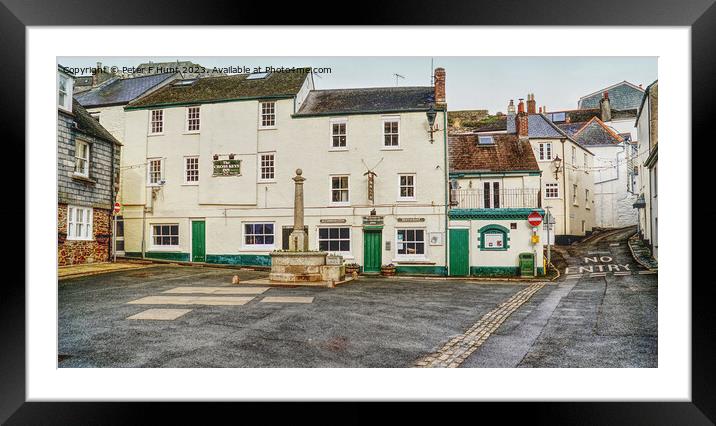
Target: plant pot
(387, 271)
(352, 268)
(103, 238)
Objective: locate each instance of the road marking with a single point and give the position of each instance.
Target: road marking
(191, 300)
(217, 290)
(622, 273)
(455, 351)
(598, 274)
(287, 299)
(159, 314)
(570, 277)
(614, 245)
(647, 272)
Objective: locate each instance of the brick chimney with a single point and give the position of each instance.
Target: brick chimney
(605, 108)
(531, 104)
(439, 82)
(522, 121)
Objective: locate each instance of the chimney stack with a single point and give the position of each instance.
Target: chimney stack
(511, 107)
(605, 108)
(439, 82)
(522, 121)
(531, 104)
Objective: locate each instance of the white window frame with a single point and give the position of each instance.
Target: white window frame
(167, 247)
(541, 151)
(246, 246)
(390, 119)
(190, 119)
(261, 167)
(87, 224)
(347, 189)
(586, 163)
(152, 121)
(78, 143)
(400, 187)
(575, 191)
(332, 122)
(574, 156)
(341, 252)
(422, 256)
(186, 170)
(586, 198)
(149, 171)
(548, 185)
(67, 104)
(261, 115)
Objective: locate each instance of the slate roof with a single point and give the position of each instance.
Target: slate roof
(571, 128)
(120, 91)
(539, 127)
(507, 154)
(622, 96)
(224, 88)
(596, 133)
(89, 125)
(367, 100)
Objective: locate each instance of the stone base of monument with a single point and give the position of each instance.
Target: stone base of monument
(297, 267)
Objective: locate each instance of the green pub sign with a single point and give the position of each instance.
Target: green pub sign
(227, 167)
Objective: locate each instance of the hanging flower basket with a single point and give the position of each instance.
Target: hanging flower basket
(387, 270)
(103, 238)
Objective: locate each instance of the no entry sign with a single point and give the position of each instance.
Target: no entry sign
(117, 208)
(534, 218)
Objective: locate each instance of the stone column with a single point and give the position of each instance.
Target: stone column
(298, 240)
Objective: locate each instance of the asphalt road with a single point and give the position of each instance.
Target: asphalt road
(584, 321)
(580, 321)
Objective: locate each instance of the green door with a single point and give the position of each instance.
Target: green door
(198, 241)
(459, 252)
(371, 250)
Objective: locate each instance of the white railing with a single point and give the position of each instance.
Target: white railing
(503, 198)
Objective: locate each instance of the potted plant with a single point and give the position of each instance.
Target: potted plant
(103, 238)
(352, 267)
(387, 270)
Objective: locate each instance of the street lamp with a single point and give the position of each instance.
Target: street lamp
(431, 113)
(557, 163)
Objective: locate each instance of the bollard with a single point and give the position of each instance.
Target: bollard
(235, 279)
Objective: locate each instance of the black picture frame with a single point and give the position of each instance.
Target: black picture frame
(700, 16)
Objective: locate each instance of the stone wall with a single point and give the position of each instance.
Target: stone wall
(72, 252)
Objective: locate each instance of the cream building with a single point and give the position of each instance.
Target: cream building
(567, 183)
(207, 168)
(647, 126)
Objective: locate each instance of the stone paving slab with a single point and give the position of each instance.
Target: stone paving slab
(74, 271)
(191, 300)
(217, 290)
(159, 314)
(286, 299)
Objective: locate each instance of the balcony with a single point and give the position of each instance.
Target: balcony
(495, 199)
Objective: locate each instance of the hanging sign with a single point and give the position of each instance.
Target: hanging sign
(227, 167)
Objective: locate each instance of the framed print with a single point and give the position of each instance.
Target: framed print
(327, 211)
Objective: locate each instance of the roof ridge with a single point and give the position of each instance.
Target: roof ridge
(370, 88)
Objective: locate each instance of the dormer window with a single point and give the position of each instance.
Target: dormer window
(64, 92)
(485, 140)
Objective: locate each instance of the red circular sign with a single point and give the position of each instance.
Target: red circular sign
(535, 219)
(117, 207)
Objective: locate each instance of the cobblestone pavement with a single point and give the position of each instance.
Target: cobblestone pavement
(454, 352)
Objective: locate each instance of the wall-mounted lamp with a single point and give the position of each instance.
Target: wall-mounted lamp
(431, 113)
(231, 156)
(557, 164)
(216, 157)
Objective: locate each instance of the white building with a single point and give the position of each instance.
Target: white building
(208, 166)
(496, 184)
(647, 126)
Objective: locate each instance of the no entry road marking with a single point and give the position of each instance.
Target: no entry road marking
(286, 299)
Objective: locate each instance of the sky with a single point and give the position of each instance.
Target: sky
(471, 82)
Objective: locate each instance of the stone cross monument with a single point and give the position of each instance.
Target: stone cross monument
(298, 238)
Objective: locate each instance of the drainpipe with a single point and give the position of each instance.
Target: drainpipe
(112, 196)
(564, 185)
(445, 186)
